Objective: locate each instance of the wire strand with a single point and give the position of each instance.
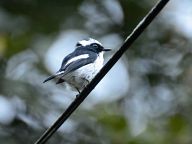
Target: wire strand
(128, 42)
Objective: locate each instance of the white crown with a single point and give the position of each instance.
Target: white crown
(88, 42)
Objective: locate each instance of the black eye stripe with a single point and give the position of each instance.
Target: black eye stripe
(78, 44)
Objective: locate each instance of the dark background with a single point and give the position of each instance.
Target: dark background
(145, 98)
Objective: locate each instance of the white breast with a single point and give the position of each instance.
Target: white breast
(90, 70)
(81, 76)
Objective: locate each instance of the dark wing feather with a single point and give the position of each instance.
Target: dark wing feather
(62, 66)
(77, 52)
(79, 63)
(74, 65)
(65, 60)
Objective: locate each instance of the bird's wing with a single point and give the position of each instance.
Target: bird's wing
(74, 61)
(62, 66)
(66, 59)
(75, 55)
(77, 63)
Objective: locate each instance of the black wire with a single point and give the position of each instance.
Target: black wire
(128, 42)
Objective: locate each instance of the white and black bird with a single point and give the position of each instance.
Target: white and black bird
(80, 67)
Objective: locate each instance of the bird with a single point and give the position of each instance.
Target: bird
(80, 67)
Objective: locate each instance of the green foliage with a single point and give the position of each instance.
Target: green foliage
(157, 107)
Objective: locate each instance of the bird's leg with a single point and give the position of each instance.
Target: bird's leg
(78, 92)
(87, 82)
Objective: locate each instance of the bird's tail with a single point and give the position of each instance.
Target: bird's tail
(52, 76)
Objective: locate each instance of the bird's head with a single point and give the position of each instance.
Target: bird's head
(92, 45)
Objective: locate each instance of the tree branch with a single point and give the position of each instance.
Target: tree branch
(128, 42)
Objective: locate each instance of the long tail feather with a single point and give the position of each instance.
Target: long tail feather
(49, 78)
(53, 76)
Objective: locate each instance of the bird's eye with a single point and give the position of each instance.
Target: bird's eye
(94, 45)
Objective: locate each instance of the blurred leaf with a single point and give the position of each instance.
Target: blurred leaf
(17, 44)
(176, 124)
(114, 122)
(116, 126)
(3, 45)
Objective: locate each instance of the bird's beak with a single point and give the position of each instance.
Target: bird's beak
(106, 49)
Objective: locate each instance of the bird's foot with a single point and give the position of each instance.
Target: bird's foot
(77, 95)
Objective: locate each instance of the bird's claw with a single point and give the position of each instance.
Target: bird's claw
(77, 95)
